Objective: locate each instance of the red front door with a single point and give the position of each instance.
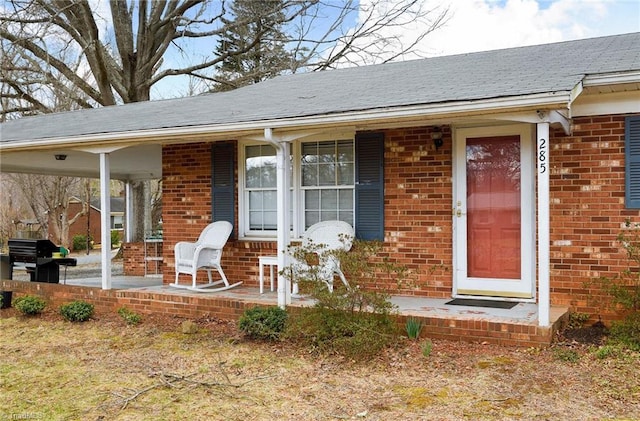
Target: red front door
(493, 212)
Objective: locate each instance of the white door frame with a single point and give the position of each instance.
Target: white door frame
(523, 289)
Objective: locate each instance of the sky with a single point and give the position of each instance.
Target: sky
(479, 25)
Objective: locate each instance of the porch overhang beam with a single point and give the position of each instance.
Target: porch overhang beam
(554, 117)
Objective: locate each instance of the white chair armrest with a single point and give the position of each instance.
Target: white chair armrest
(184, 250)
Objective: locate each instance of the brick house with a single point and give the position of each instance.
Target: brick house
(504, 174)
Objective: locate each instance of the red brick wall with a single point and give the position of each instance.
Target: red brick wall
(134, 258)
(587, 210)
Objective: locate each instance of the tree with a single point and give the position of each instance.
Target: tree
(264, 59)
(69, 54)
(97, 57)
(48, 200)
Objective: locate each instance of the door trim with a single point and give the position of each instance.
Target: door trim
(496, 289)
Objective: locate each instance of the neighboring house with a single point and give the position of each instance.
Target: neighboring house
(91, 221)
(505, 174)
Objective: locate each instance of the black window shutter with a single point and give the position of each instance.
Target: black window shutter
(222, 183)
(369, 186)
(632, 154)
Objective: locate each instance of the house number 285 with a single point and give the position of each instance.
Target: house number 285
(542, 155)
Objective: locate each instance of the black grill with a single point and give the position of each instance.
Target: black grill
(36, 255)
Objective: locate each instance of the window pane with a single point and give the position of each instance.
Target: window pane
(309, 153)
(310, 218)
(326, 152)
(255, 200)
(346, 216)
(329, 215)
(327, 174)
(312, 199)
(260, 166)
(270, 220)
(269, 176)
(345, 151)
(255, 220)
(329, 199)
(345, 174)
(270, 200)
(309, 175)
(345, 199)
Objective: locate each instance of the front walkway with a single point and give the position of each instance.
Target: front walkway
(516, 326)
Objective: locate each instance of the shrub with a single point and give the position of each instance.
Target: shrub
(627, 332)
(77, 311)
(115, 238)
(79, 242)
(623, 291)
(350, 321)
(353, 323)
(130, 317)
(577, 320)
(263, 322)
(29, 305)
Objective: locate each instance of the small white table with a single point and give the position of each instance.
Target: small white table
(270, 261)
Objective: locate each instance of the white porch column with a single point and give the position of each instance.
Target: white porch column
(128, 212)
(283, 172)
(543, 224)
(105, 219)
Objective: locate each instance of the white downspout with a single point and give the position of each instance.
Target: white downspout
(544, 303)
(105, 219)
(283, 208)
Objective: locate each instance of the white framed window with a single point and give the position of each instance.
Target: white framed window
(260, 187)
(327, 181)
(117, 222)
(323, 184)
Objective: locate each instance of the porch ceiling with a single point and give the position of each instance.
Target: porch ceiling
(130, 163)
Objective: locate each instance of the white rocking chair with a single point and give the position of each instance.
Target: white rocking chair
(204, 254)
(327, 237)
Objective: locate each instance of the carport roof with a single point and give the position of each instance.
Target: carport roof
(540, 69)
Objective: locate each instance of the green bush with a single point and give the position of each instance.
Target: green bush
(79, 242)
(29, 305)
(354, 323)
(130, 317)
(627, 332)
(115, 238)
(77, 311)
(622, 292)
(350, 321)
(263, 322)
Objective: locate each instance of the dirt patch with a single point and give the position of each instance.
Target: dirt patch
(595, 335)
(105, 369)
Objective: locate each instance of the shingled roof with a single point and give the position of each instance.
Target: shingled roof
(513, 72)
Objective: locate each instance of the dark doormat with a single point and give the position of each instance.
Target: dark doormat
(482, 303)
